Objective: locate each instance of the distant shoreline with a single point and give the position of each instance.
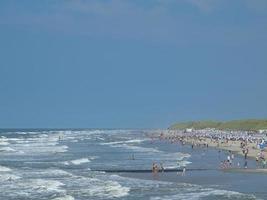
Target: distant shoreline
(242, 125)
(226, 142)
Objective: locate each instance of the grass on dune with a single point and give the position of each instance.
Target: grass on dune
(248, 124)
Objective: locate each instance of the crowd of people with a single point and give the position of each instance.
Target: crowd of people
(245, 143)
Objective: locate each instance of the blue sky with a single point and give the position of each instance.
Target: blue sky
(131, 64)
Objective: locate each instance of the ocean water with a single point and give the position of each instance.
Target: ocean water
(70, 164)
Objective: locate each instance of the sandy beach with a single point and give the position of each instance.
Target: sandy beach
(247, 146)
(233, 146)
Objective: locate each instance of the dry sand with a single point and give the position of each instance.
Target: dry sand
(233, 146)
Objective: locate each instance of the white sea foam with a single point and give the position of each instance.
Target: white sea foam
(173, 160)
(101, 138)
(3, 142)
(37, 144)
(196, 195)
(136, 148)
(7, 149)
(80, 161)
(112, 189)
(177, 191)
(178, 156)
(39, 188)
(131, 145)
(22, 133)
(142, 183)
(67, 197)
(133, 141)
(44, 185)
(183, 163)
(108, 189)
(40, 148)
(13, 139)
(93, 187)
(4, 169)
(8, 177)
(47, 173)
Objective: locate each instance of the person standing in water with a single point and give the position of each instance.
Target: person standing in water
(161, 167)
(183, 173)
(154, 168)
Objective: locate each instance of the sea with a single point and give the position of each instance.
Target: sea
(72, 165)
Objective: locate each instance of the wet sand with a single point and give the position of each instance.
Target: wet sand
(242, 170)
(248, 181)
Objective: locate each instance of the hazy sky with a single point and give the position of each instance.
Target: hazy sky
(131, 63)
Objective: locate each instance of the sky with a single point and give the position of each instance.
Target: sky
(131, 63)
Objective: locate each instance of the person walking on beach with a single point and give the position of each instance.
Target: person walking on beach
(246, 164)
(228, 159)
(246, 153)
(232, 156)
(257, 161)
(264, 163)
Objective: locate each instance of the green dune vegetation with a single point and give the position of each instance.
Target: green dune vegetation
(248, 125)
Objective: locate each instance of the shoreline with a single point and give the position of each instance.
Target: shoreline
(248, 170)
(232, 146)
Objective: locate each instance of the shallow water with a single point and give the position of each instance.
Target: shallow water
(59, 165)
